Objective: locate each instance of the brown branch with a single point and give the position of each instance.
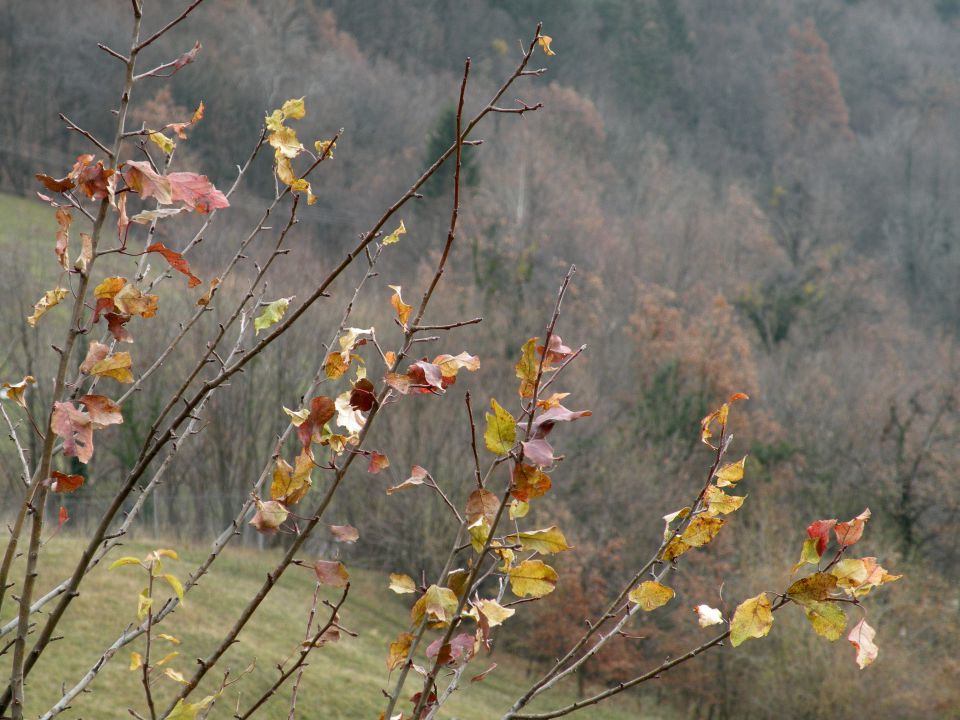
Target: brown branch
(36, 495)
(304, 652)
(182, 16)
(76, 128)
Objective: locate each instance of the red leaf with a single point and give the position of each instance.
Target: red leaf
(378, 462)
(819, 530)
(848, 533)
(362, 397)
(196, 192)
(62, 483)
(64, 516)
(322, 409)
(176, 261)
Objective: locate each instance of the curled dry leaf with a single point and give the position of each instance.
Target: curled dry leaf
(418, 476)
(16, 391)
(50, 299)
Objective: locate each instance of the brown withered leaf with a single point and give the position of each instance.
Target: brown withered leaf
(482, 504)
(131, 301)
(331, 572)
(529, 482)
(147, 182)
(50, 299)
(86, 254)
(378, 461)
(116, 326)
(102, 411)
(399, 650)
(62, 250)
(16, 391)
(75, 428)
(557, 352)
(344, 533)
(95, 181)
(95, 353)
(418, 476)
(176, 261)
(270, 515)
(362, 396)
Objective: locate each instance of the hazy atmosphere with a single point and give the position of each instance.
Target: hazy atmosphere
(761, 201)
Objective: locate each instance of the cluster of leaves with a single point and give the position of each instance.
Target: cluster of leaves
(517, 555)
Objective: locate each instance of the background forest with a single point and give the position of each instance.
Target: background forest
(759, 196)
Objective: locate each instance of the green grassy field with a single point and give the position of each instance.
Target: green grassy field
(344, 680)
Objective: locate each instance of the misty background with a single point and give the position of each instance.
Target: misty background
(759, 196)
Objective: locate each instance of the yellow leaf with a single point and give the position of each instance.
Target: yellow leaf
(187, 711)
(650, 595)
(291, 485)
(167, 658)
(546, 542)
(479, 532)
(321, 146)
(731, 473)
(50, 299)
(533, 578)
(285, 143)
(719, 503)
(401, 584)
(527, 367)
(437, 605)
(495, 613)
(297, 418)
(271, 314)
(518, 509)
(701, 530)
(669, 518)
(177, 677)
(395, 235)
(116, 366)
(861, 637)
(399, 650)
(544, 42)
(177, 586)
(136, 661)
(168, 638)
(132, 301)
(125, 561)
(144, 603)
(812, 588)
(808, 555)
(294, 109)
(827, 618)
(162, 141)
(501, 432)
(753, 618)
